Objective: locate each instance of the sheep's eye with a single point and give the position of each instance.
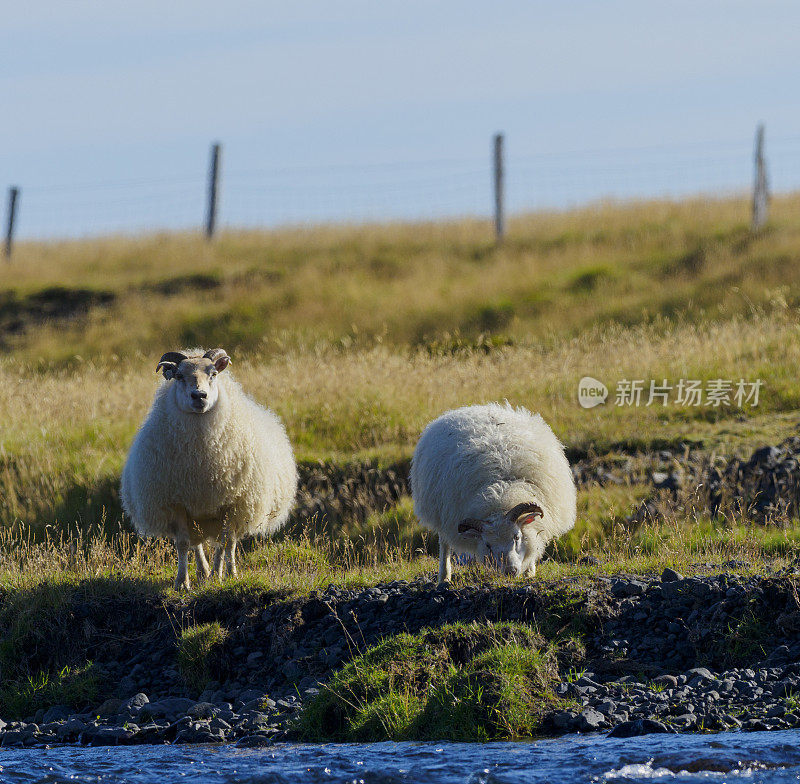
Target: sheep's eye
(179, 376)
(213, 376)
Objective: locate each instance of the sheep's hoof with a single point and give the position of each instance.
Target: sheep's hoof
(183, 586)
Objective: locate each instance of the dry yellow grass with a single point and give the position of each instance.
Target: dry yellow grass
(358, 336)
(65, 431)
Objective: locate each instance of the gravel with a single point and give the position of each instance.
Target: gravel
(660, 657)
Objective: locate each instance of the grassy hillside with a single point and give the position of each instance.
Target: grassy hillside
(431, 285)
(358, 336)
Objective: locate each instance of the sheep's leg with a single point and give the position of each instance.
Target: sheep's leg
(230, 556)
(445, 565)
(203, 569)
(536, 555)
(219, 558)
(182, 580)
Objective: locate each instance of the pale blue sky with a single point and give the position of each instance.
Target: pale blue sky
(328, 110)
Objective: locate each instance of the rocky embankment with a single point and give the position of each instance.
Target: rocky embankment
(765, 486)
(636, 654)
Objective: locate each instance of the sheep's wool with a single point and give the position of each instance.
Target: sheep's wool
(477, 461)
(235, 461)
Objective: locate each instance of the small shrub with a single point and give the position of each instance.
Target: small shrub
(589, 279)
(199, 648)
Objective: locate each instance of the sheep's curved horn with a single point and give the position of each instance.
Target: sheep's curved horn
(219, 357)
(471, 524)
(528, 509)
(213, 353)
(170, 358)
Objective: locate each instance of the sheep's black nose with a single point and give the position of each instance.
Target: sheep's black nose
(198, 394)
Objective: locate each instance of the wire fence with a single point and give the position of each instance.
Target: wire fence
(432, 189)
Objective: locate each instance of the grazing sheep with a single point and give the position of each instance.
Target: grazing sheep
(208, 464)
(492, 481)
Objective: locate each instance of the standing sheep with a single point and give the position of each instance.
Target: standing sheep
(208, 464)
(492, 481)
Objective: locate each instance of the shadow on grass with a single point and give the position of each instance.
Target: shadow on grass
(55, 635)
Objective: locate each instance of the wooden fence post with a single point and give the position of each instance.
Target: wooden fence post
(760, 184)
(213, 178)
(499, 218)
(13, 198)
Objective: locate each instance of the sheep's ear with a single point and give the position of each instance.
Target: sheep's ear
(471, 528)
(219, 357)
(525, 514)
(169, 368)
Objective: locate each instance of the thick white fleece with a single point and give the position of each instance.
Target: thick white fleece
(233, 461)
(482, 460)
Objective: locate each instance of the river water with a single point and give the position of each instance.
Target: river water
(727, 757)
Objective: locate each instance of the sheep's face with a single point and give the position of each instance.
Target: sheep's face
(505, 542)
(194, 379)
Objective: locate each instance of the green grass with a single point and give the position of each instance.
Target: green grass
(73, 687)
(458, 682)
(198, 650)
(745, 639)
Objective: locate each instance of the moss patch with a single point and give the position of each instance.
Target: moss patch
(458, 682)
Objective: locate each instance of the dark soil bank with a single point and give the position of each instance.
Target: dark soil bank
(634, 655)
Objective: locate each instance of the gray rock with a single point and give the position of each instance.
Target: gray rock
(669, 681)
(589, 720)
(624, 588)
(607, 708)
(202, 710)
(199, 732)
(563, 720)
(134, 703)
(256, 721)
(71, 729)
(252, 694)
(16, 737)
(109, 708)
(685, 721)
(631, 729)
(670, 576)
(56, 713)
(108, 736)
(168, 708)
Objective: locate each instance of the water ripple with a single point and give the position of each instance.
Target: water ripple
(747, 757)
